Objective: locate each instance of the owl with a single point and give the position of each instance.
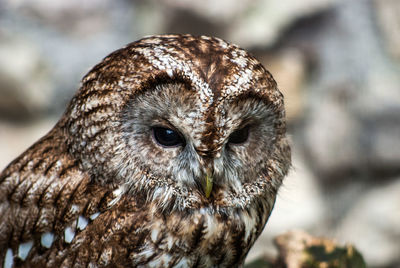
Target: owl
(170, 154)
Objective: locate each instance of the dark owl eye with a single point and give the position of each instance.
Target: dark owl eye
(239, 136)
(167, 137)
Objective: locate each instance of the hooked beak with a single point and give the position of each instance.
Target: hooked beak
(208, 183)
(206, 159)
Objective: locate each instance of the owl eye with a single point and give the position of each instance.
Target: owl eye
(239, 136)
(167, 137)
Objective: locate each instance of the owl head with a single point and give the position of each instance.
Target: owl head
(186, 122)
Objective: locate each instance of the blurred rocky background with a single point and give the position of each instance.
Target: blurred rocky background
(337, 62)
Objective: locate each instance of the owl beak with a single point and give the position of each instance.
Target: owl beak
(208, 184)
(206, 157)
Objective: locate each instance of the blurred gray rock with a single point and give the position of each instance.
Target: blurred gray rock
(381, 141)
(245, 22)
(354, 100)
(25, 88)
(373, 225)
(264, 20)
(73, 17)
(61, 42)
(388, 19)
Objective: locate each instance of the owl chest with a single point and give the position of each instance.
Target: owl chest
(203, 240)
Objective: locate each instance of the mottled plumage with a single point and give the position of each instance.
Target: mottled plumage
(105, 187)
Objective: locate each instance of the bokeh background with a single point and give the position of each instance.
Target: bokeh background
(336, 61)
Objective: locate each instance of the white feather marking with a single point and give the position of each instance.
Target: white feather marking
(69, 235)
(170, 73)
(117, 193)
(212, 226)
(154, 235)
(90, 103)
(157, 192)
(93, 130)
(240, 59)
(147, 253)
(9, 259)
(182, 263)
(155, 263)
(113, 202)
(58, 164)
(38, 184)
(74, 209)
(23, 250)
(81, 223)
(94, 216)
(203, 211)
(170, 242)
(249, 224)
(47, 239)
